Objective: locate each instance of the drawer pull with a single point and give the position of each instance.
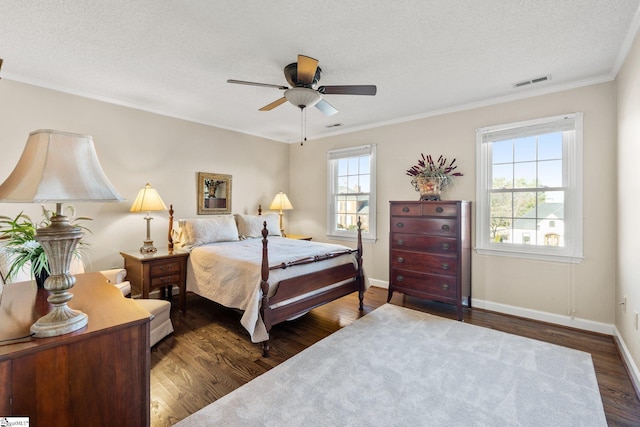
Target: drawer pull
(399, 278)
(445, 266)
(399, 225)
(405, 209)
(165, 268)
(445, 246)
(445, 286)
(400, 259)
(445, 227)
(439, 209)
(400, 242)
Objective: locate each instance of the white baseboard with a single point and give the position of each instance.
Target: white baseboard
(379, 283)
(543, 316)
(632, 368)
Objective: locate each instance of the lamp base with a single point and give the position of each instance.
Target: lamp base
(148, 247)
(59, 321)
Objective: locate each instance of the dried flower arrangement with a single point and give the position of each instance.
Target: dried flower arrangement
(426, 167)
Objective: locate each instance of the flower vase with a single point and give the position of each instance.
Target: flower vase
(429, 187)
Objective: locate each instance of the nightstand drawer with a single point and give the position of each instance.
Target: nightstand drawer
(172, 279)
(162, 269)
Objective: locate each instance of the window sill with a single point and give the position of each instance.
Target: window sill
(351, 238)
(568, 259)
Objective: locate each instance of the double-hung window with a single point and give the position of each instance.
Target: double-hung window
(529, 189)
(352, 192)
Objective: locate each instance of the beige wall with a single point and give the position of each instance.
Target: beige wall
(628, 273)
(136, 147)
(554, 288)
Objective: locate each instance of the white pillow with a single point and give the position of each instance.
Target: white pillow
(219, 228)
(250, 226)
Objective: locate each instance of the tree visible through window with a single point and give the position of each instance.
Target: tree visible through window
(530, 201)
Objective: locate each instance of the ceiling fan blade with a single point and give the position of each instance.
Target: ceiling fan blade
(274, 104)
(348, 90)
(326, 108)
(306, 69)
(242, 82)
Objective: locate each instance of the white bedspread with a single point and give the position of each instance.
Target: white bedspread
(229, 273)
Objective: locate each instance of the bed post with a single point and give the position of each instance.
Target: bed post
(360, 272)
(170, 228)
(264, 286)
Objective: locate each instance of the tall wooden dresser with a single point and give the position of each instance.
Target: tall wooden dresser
(430, 251)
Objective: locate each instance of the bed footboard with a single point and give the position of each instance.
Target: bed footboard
(300, 294)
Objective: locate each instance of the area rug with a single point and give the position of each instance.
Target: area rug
(401, 367)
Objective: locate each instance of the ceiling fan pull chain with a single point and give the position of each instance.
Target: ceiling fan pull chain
(301, 126)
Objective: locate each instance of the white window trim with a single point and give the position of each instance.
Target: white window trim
(369, 237)
(573, 173)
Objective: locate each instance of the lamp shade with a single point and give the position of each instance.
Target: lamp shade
(148, 200)
(280, 203)
(58, 167)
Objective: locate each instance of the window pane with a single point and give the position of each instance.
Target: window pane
(502, 176)
(525, 149)
(502, 152)
(525, 175)
(342, 167)
(353, 165)
(364, 165)
(364, 183)
(524, 205)
(550, 173)
(550, 146)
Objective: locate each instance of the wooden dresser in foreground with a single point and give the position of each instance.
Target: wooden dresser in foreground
(430, 251)
(97, 376)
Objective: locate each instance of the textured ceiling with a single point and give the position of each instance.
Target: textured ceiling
(425, 56)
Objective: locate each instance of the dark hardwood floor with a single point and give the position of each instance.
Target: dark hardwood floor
(210, 354)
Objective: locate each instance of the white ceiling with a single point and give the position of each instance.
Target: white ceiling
(425, 56)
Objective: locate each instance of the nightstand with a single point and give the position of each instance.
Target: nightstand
(297, 237)
(160, 270)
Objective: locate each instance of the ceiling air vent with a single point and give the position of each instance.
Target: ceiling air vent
(532, 81)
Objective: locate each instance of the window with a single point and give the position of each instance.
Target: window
(352, 195)
(529, 191)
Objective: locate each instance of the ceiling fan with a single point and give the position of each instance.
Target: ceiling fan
(303, 76)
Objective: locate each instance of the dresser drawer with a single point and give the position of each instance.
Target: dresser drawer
(416, 261)
(406, 209)
(444, 227)
(424, 209)
(421, 243)
(440, 209)
(425, 284)
(164, 268)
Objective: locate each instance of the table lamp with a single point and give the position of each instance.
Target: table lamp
(58, 167)
(148, 200)
(281, 202)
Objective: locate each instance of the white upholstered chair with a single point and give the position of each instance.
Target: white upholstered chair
(161, 325)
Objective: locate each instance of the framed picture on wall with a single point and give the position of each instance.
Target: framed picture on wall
(214, 193)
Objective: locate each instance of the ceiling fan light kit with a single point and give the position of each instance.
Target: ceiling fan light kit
(302, 97)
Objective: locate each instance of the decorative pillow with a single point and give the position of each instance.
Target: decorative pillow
(219, 228)
(250, 226)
